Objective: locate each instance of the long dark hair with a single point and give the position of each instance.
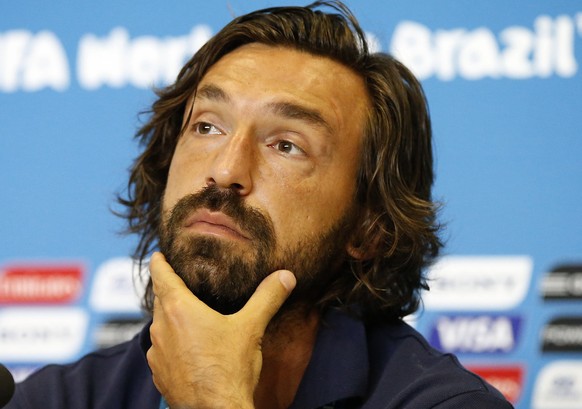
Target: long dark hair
(398, 234)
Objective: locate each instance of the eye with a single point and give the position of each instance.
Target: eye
(289, 148)
(206, 128)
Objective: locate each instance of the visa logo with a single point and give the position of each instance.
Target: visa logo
(476, 334)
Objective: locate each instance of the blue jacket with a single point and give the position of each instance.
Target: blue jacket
(352, 366)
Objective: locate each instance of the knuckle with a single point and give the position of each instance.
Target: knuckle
(154, 334)
(150, 357)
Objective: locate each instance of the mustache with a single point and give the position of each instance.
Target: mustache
(252, 221)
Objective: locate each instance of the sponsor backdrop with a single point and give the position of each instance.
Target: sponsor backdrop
(504, 83)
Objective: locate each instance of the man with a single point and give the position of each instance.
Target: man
(286, 180)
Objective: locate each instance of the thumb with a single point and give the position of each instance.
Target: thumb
(268, 298)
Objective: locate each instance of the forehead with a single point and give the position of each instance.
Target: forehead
(260, 74)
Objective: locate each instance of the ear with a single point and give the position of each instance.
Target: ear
(363, 245)
(356, 252)
(362, 251)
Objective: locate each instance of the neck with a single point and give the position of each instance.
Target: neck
(287, 347)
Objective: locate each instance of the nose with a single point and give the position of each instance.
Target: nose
(232, 165)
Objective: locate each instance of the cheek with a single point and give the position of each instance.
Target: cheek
(181, 181)
(309, 211)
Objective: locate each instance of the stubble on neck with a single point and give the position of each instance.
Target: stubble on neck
(287, 347)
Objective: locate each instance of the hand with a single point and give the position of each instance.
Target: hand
(200, 358)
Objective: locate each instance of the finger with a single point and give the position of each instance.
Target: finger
(269, 297)
(164, 279)
(169, 289)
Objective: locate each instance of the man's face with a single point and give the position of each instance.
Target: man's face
(264, 175)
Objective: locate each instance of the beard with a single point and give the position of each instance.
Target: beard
(224, 276)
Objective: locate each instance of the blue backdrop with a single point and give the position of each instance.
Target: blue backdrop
(504, 84)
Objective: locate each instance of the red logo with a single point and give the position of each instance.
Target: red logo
(41, 284)
(507, 379)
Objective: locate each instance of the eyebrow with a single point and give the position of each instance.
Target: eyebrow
(212, 92)
(284, 109)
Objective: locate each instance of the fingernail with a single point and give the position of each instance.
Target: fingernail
(287, 279)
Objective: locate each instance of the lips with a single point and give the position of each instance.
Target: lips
(214, 223)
